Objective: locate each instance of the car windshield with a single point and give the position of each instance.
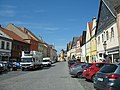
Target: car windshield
(88, 65)
(26, 59)
(109, 68)
(46, 60)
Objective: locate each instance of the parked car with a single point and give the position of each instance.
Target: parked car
(46, 62)
(77, 69)
(4, 65)
(89, 73)
(14, 66)
(108, 78)
(71, 62)
(1, 67)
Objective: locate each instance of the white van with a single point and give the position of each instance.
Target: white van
(46, 61)
(31, 60)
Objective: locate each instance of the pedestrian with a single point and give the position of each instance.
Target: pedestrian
(78, 61)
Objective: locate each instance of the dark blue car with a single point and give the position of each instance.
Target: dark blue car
(108, 78)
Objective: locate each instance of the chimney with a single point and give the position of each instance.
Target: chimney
(93, 18)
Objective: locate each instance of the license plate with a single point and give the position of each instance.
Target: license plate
(100, 79)
(25, 67)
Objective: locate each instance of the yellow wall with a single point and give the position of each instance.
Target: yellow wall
(93, 48)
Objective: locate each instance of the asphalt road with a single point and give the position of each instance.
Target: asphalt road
(54, 78)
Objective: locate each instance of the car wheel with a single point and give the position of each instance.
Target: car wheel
(93, 78)
(79, 74)
(22, 69)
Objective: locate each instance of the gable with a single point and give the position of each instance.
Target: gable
(2, 34)
(105, 18)
(94, 27)
(74, 41)
(89, 31)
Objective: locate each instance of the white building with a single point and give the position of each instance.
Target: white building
(5, 46)
(107, 33)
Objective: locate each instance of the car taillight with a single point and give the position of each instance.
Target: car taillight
(113, 76)
(75, 65)
(108, 88)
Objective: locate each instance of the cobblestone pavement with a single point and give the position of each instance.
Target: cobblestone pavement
(55, 78)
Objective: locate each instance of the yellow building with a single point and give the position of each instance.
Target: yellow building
(93, 42)
(88, 41)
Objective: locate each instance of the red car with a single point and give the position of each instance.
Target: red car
(90, 72)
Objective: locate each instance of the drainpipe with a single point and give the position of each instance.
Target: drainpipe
(118, 25)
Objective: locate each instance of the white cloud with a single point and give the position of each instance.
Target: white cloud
(51, 28)
(15, 22)
(8, 13)
(7, 10)
(40, 11)
(7, 6)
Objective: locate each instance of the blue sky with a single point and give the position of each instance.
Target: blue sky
(57, 21)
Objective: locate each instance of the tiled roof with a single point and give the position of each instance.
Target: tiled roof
(74, 41)
(12, 35)
(26, 33)
(112, 4)
(81, 39)
(90, 27)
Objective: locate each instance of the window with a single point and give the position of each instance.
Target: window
(112, 32)
(2, 45)
(1, 34)
(99, 65)
(18, 47)
(107, 35)
(99, 40)
(8, 46)
(102, 37)
(108, 68)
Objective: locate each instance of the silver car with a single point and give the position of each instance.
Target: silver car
(77, 70)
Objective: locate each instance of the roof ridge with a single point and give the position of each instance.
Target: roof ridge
(14, 37)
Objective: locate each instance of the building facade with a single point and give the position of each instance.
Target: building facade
(88, 42)
(93, 41)
(83, 55)
(107, 32)
(18, 45)
(25, 35)
(78, 47)
(5, 46)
